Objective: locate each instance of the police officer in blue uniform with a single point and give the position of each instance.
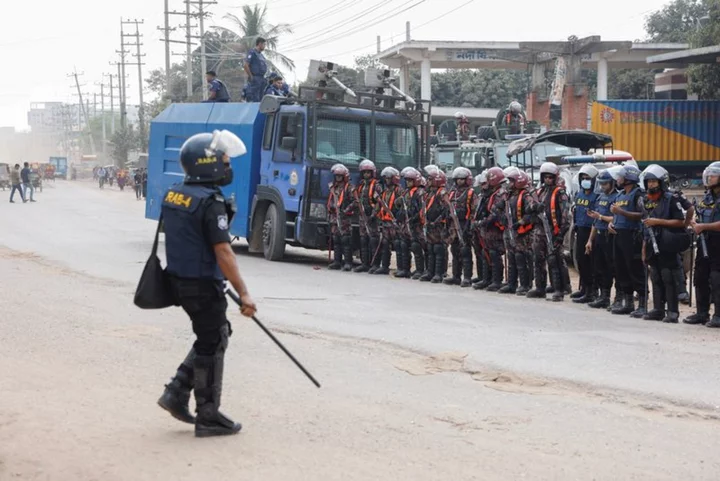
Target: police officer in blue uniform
(600, 245)
(582, 223)
(196, 219)
(707, 260)
(277, 86)
(255, 69)
(217, 90)
(666, 223)
(627, 245)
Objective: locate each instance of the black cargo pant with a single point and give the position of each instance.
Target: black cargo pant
(629, 268)
(585, 261)
(603, 262)
(663, 270)
(205, 303)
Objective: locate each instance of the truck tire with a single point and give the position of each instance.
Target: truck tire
(486, 132)
(273, 235)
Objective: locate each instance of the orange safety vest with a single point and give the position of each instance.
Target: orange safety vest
(468, 208)
(489, 209)
(371, 191)
(523, 229)
(384, 215)
(553, 211)
(432, 200)
(340, 199)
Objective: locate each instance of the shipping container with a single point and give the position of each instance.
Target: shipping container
(677, 134)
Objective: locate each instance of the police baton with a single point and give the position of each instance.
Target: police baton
(235, 298)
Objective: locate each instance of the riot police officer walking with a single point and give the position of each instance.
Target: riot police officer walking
(196, 218)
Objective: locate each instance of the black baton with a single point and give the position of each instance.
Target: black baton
(235, 298)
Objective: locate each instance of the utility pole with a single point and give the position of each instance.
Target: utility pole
(121, 77)
(138, 55)
(201, 21)
(188, 37)
(104, 118)
(83, 109)
(94, 104)
(112, 105)
(166, 38)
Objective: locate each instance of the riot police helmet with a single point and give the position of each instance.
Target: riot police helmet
(522, 181)
(630, 174)
(438, 178)
(339, 170)
(461, 173)
(410, 173)
(430, 169)
(515, 107)
(205, 157)
(480, 179)
(510, 172)
(654, 172)
(367, 165)
(391, 175)
(549, 168)
(495, 176)
(711, 171)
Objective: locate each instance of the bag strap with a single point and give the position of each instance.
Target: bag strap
(157, 237)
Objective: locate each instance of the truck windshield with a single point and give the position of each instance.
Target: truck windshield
(347, 141)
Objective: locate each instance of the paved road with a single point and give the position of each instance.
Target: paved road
(420, 381)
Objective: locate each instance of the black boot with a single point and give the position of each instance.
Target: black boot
(556, 278)
(467, 265)
(375, 255)
(627, 305)
(419, 256)
(679, 278)
(540, 291)
(603, 301)
(698, 318)
(617, 303)
(385, 257)
(655, 315)
(497, 271)
(523, 274)
(429, 265)
(485, 273)
(589, 295)
(642, 307)
(440, 263)
(176, 397)
(364, 255)
(208, 393)
(714, 322)
(671, 318)
(578, 294)
(336, 264)
(347, 253)
(512, 280)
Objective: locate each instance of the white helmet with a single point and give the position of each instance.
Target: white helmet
(481, 178)
(431, 169)
(511, 172)
(589, 170)
(549, 168)
(461, 173)
(616, 172)
(710, 171)
(515, 107)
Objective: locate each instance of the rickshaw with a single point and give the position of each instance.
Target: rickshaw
(36, 177)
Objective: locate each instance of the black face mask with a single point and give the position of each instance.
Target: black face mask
(228, 177)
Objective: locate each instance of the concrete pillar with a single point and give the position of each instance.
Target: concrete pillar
(537, 76)
(602, 79)
(425, 80)
(405, 78)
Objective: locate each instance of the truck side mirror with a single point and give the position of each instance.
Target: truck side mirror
(289, 143)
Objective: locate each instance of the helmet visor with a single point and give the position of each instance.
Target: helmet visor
(227, 142)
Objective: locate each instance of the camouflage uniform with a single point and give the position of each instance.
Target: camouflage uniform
(554, 203)
(461, 200)
(340, 201)
(520, 207)
(367, 193)
(436, 209)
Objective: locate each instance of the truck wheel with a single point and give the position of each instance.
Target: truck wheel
(273, 235)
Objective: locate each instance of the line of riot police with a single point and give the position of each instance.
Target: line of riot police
(513, 233)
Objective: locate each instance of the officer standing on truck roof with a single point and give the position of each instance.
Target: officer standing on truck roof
(196, 218)
(707, 259)
(255, 69)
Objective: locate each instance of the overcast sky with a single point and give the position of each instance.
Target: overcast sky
(41, 41)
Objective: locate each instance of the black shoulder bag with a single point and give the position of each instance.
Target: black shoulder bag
(153, 290)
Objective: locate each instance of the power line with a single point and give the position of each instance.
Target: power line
(358, 28)
(304, 38)
(322, 14)
(418, 27)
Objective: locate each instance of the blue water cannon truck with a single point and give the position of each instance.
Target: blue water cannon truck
(281, 184)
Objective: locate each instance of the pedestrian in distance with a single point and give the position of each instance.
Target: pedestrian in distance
(16, 181)
(27, 182)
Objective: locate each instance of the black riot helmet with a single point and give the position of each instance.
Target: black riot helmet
(205, 158)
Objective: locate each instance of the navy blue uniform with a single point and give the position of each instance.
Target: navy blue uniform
(221, 92)
(603, 259)
(196, 218)
(707, 269)
(627, 248)
(582, 223)
(258, 68)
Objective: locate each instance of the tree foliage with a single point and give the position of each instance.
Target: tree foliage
(122, 143)
(705, 79)
(676, 21)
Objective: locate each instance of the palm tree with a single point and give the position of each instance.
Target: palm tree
(252, 25)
